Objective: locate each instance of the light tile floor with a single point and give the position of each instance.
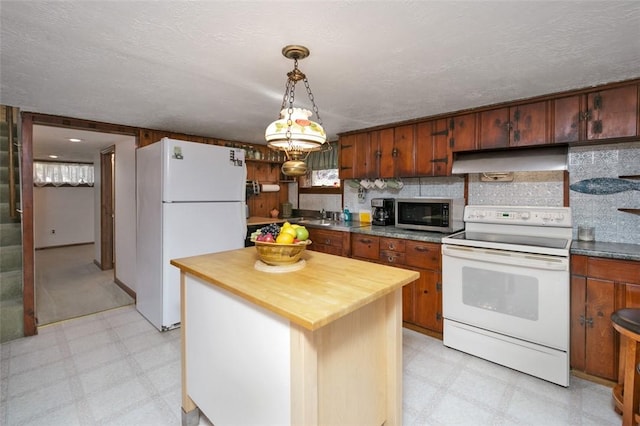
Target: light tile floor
(114, 368)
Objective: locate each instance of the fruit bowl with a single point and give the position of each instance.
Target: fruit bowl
(280, 254)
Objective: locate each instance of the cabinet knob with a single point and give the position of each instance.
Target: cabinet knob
(327, 241)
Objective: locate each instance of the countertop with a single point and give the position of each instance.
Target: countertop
(610, 250)
(327, 288)
(619, 251)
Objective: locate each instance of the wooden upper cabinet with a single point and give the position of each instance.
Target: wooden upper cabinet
(604, 114)
(403, 154)
(364, 165)
(566, 119)
(612, 113)
(347, 156)
(424, 148)
(521, 125)
(385, 144)
(442, 156)
(463, 136)
(493, 129)
(528, 124)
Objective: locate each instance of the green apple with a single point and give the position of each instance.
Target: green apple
(301, 233)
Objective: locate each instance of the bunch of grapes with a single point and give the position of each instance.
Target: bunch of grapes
(273, 229)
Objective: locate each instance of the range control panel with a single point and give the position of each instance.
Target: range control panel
(519, 215)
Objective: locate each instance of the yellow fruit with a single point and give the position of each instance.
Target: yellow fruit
(284, 238)
(295, 226)
(286, 225)
(289, 230)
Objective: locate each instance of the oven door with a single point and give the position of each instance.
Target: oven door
(521, 295)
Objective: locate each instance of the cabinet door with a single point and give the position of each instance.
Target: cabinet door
(365, 246)
(347, 156)
(403, 150)
(407, 303)
(384, 140)
(600, 358)
(428, 300)
(464, 133)
(577, 322)
(529, 124)
(494, 128)
(613, 113)
(363, 167)
(566, 119)
(442, 154)
(424, 148)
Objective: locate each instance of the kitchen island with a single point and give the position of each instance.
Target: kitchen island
(318, 346)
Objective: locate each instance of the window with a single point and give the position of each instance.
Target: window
(323, 172)
(58, 174)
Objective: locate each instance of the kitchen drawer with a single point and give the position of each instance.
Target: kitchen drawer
(325, 237)
(392, 244)
(365, 246)
(614, 270)
(392, 257)
(423, 255)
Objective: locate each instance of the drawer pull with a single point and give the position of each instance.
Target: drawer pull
(421, 249)
(327, 241)
(365, 241)
(391, 246)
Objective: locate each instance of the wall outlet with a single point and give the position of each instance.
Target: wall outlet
(53, 231)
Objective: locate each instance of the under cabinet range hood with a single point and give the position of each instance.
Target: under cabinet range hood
(547, 158)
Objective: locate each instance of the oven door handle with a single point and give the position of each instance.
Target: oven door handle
(538, 261)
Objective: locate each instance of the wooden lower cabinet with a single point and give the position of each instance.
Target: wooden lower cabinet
(599, 287)
(329, 241)
(422, 299)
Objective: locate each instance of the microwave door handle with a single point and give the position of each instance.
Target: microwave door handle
(537, 261)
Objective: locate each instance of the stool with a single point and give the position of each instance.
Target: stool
(626, 394)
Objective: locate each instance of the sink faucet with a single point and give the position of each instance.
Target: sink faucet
(322, 214)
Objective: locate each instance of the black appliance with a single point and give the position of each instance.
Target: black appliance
(382, 211)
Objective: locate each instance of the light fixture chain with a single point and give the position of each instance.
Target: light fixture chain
(312, 99)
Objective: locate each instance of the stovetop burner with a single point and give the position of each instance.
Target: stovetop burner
(539, 230)
(525, 240)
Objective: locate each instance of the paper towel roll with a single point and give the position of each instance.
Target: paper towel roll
(269, 187)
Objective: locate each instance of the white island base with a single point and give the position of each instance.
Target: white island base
(245, 365)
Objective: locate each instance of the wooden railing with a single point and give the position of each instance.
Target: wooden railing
(13, 211)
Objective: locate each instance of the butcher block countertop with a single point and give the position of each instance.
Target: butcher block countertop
(327, 288)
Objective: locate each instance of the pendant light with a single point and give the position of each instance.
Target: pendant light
(294, 132)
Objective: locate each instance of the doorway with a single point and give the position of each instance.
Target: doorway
(99, 262)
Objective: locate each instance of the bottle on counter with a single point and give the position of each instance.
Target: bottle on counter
(347, 215)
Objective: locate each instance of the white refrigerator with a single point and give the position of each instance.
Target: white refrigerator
(190, 200)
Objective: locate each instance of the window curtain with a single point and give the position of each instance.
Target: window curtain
(62, 174)
(324, 159)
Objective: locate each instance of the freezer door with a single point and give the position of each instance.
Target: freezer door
(200, 172)
(191, 229)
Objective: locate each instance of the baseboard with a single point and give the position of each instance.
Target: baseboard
(64, 245)
(422, 330)
(98, 264)
(125, 288)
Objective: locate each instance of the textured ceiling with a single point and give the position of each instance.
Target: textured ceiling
(215, 68)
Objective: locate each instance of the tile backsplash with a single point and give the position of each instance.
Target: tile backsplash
(526, 189)
(601, 211)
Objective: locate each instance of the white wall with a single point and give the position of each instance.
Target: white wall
(69, 211)
(125, 210)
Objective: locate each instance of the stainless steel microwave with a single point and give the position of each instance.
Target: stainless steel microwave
(430, 214)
